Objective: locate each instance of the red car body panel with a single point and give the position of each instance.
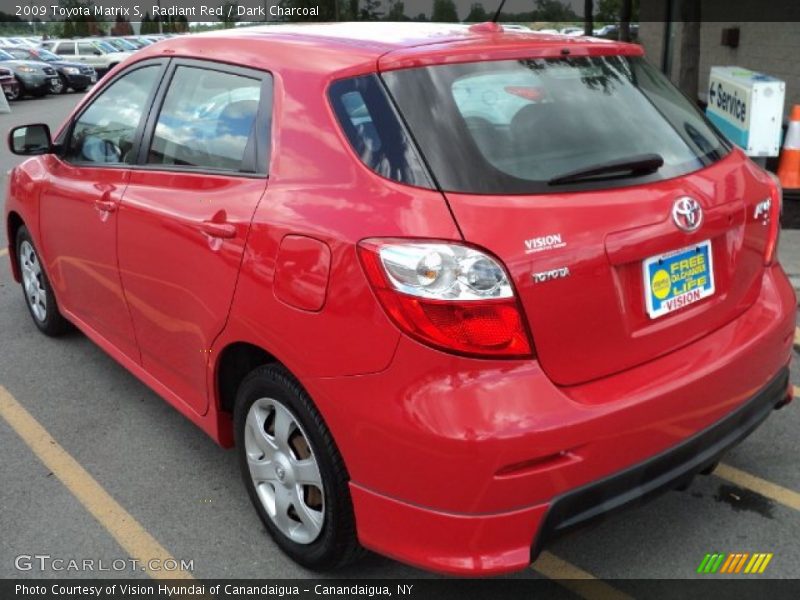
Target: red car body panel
(454, 462)
(83, 268)
(179, 301)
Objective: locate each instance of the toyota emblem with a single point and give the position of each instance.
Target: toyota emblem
(687, 214)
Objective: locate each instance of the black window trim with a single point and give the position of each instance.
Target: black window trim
(63, 140)
(259, 145)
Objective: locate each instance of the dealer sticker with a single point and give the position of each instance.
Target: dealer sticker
(678, 279)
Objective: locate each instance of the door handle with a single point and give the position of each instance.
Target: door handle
(218, 230)
(106, 205)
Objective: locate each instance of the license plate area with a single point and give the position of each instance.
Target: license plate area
(677, 279)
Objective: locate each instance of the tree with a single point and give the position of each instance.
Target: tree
(553, 11)
(610, 11)
(371, 11)
(69, 29)
(397, 12)
(444, 11)
(229, 16)
(121, 26)
(477, 14)
(146, 26)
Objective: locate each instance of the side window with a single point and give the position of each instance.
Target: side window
(66, 48)
(105, 132)
(87, 49)
(374, 130)
(206, 120)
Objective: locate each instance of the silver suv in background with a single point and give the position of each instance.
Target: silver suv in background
(93, 52)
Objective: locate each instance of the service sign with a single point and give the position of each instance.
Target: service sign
(747, 107)
(729, 100)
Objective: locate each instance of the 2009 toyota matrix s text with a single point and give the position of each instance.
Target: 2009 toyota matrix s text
(450, 291)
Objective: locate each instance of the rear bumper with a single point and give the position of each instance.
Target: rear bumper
(467, 466)
(668, 470)
(498, 543)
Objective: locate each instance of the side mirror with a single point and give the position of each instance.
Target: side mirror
(97, 53)
(30, 140)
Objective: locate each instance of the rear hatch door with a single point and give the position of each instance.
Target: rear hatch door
(613, 266)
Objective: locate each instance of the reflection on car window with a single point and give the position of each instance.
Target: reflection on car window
(374, 131)
(510, 126)
(206, 120)
(104, 133)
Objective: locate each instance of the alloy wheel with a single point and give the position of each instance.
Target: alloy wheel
(32, 281)
(284, 470)
(56, 86)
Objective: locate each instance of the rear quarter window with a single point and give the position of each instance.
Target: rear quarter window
(374, 130)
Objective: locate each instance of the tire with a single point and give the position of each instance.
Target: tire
(64, 85)
(40, 300)
(267, 397)
(14, 94)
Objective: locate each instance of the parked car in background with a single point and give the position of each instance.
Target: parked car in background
(9, 84)
(93, 52)
(24, 41)
(73, 75)
(121, 44)
(137, 41)
(572, 31)
(35, 77)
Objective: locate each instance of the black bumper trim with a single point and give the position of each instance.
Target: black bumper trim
(670, 469)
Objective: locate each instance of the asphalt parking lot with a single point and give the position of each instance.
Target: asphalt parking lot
(185, 494)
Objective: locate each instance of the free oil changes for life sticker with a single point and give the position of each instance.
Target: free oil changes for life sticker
(678, 279)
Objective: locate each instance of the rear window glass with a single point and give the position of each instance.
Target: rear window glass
(374, 130)
(513, 126)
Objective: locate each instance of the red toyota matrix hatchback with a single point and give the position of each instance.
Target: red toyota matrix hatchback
(451, 292)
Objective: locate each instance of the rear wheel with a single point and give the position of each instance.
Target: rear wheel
(38, 293)
(293, 472)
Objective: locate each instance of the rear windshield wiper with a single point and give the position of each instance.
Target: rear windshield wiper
(641, 164)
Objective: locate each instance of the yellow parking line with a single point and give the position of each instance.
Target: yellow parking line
(797, 336)
(126, 530)
(576, 579)
(755, 484)
(4, 251)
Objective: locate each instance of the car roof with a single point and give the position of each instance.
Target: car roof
(342, 48)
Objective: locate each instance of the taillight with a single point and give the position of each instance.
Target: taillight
(447, 295)
(775, 209)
